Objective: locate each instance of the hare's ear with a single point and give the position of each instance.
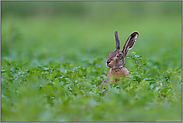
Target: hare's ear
(129, 43)
(117, 46)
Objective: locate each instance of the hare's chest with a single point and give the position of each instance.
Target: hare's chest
(118, 72)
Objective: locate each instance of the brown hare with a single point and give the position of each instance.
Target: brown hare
(116, 59)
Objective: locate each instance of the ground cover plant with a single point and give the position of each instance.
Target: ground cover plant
(53, 61)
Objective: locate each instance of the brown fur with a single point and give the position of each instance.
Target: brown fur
(116, 59)
(118, 72)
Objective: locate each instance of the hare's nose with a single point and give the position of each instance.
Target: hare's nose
(108, 63)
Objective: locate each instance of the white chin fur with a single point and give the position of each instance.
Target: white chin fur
(117, 67)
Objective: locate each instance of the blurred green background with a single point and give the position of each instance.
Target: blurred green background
(76, 31)
(37, 34)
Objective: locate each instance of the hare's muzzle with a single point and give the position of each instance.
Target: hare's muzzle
(107, 63)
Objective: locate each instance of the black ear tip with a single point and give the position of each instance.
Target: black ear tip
(136, 33)
(116, 33)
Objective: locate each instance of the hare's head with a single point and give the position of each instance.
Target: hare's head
(116, 59)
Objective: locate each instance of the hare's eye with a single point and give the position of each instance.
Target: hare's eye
(119, 55)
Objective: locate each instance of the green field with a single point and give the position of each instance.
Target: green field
(53, 58)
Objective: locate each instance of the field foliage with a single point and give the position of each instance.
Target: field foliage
(53, 61)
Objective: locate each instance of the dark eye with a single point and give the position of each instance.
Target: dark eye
(119, 55)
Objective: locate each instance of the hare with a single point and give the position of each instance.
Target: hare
(116, 59)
